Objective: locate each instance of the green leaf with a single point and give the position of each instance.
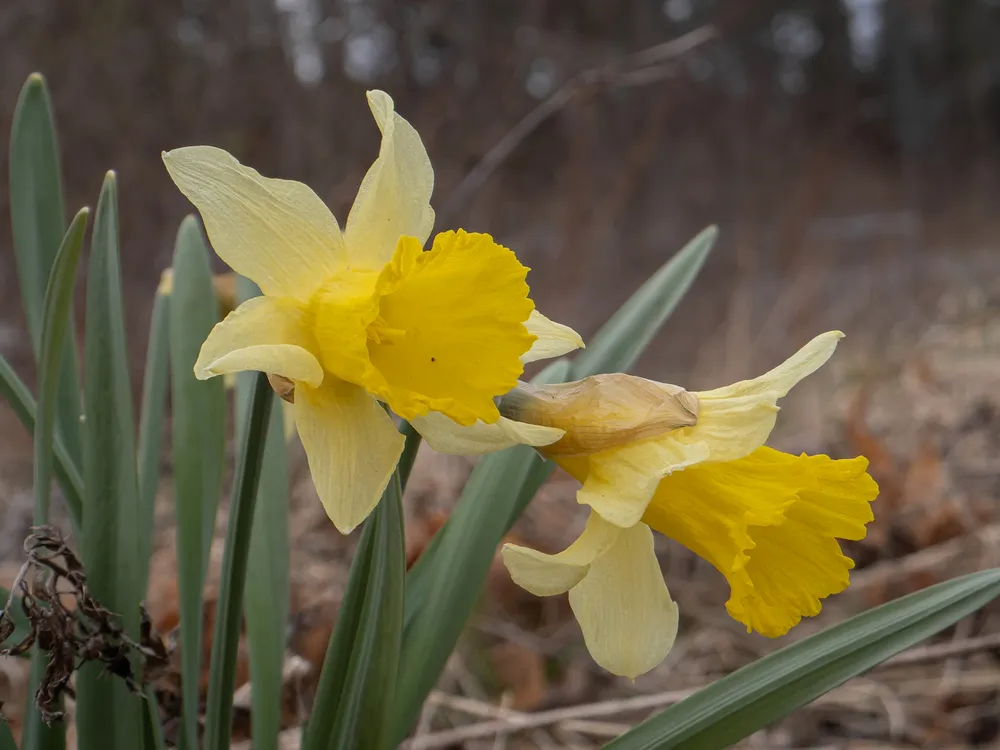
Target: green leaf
(6, 738)
(17, 395)
(330, 689)
(622, 340)
(229, 614)
(109, 716)
(35, 733)
(55, 322)
(447, 580)
(38, 222)
(454, 574)
(418, 579)
(152, 727)
(17, 615)
(757, 695)
(409, 455)
(199, 421)
(154, 402)
(266, 601)
(354, 704)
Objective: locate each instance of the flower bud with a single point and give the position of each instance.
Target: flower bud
(601, 412)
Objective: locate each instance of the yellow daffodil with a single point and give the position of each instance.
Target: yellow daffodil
(692, 466)
(352, 318)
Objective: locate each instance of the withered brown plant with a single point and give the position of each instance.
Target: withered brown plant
(70, 626)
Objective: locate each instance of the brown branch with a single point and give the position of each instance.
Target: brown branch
(642, 68)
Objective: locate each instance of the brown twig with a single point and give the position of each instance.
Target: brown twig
(517, 721)
(642, 68)
(503, 720)
(939, 651)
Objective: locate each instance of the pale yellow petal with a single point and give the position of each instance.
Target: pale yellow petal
(737, 419)
(780, 380)
(733, 422)
(288, 419)
(548, 575)
(628, 619)
(265, 334)
(352, 446)
(553, 339)
(445, 436)
(394, 198)
(620, 483)
(275, 232)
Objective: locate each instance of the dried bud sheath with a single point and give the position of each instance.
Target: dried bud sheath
(602, 412)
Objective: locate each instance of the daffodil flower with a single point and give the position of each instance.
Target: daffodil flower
(350, 319)
(694, 467)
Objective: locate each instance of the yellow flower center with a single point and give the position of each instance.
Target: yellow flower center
(441, 330)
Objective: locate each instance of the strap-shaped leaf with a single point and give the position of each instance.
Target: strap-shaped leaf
(617, 346)
(67, 473)
(199, 418)
(233, 577)
(454, 571)
(152, 728)
(38, 221)
(109, 716)
(21, 625)
(409, 455)
(266, 602)
(445, 584)
(6, 738)
(36, 734)
(354, 704)
(55, 321)
(764, 691)
(155, 383)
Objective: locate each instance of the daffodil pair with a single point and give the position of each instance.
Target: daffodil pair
(694, 467)
(352, 318)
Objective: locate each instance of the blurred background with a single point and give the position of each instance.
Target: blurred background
(847, 149)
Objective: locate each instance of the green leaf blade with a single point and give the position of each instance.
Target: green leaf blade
(446, 583)
(67, 473)
(56, 319)
(36, 734)
(266, 602)
(54, 324)
(232, 581)
(38, 223)
(355, 700)
(155, 384)
(109, 716)
(6, 738)
(621, 341)
(199, 419)
(770, 688)
(447, 580)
